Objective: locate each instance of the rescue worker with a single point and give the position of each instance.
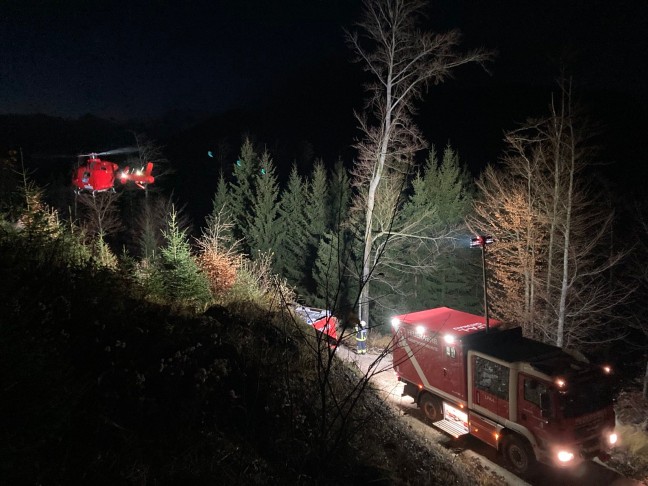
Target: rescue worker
(361, 338)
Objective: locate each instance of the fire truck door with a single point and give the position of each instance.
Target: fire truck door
(530, 414)
(451, 380)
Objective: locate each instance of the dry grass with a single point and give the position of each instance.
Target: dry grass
(631, 454)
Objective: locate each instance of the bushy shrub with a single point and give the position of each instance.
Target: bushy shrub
(220, 270)
(257, 283)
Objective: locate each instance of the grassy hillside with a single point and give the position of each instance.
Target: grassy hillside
(102, 387)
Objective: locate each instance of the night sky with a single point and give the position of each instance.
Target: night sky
(138, 59)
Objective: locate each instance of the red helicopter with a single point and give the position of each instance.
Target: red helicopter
(97, 175)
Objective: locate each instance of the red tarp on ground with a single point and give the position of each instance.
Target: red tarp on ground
(321, 320)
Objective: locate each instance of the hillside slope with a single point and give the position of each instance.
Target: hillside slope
(100, 387)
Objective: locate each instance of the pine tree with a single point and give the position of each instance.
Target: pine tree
(317, 210)
(334, 287)
(182, 280)
(241, 190)
(264, 235)
(455, 278)
(420, 265)
(221, 202)
(292, 220)
(340, 199)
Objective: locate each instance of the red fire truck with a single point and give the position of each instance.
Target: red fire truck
(530, 400)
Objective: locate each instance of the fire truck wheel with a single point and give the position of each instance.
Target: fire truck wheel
(519, 454)
(432, 407)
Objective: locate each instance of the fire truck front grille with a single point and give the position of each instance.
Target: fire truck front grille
(586, 431)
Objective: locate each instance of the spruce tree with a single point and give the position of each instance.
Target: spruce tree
(182, 280)
(340, 196)
(317, 210)
(421, 265)
(222, 198)
(456, 278)
(334, 289)
(263, 234)
(292, 220)
(317, 214)
(241, 189)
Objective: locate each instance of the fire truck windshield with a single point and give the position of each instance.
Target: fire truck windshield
(584, 398)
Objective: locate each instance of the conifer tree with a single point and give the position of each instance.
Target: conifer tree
(291, 263)
(241, 190)
(317, 214)
(334, 289)
(317, 210)
(340, 196)
(332, 280)
(221, 202)
(182, 280)
(263, 234)
(420, 267)
(45, 237)
(454, 280)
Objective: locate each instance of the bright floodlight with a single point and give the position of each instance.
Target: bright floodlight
(449, 339)
(395, 323)
(420, 330)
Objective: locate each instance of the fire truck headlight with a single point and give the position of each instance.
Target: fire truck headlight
(565, 456)
(395, 323)
(449, 339)
(420, 330)
(612, 438)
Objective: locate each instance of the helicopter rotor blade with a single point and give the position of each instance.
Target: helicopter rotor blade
(123, 150)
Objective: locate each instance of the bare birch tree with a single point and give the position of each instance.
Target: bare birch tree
(552, 259)
(101, 214)
(402, 61)
(506, 209)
